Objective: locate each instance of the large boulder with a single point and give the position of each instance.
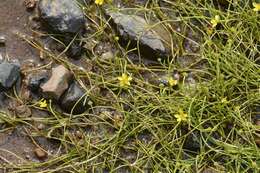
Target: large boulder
(62, 16)
(57, 84)
(9, 73)
(153, 40)
(74, 99)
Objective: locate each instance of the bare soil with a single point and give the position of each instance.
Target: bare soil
(14, 18)
(15, 144)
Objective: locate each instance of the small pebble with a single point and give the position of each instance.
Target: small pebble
(107, 55)
(2, 40)
(40, 153)
(258, 122)
(41, 126)
(27, 156)
(30, 4)
(79, 134)
(1, 57)
(257, 141)
(22, 111)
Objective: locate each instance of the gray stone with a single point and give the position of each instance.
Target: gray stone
(9, 73)
(36, 79)
(153, 41)
(74, 96)
(57, 84)
(63, 16)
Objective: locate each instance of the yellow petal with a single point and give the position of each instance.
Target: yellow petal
(172, 82)
(217, 18)
(124, 75)
(43, 104)
(99, 2)
(257, 6)
(120, 78)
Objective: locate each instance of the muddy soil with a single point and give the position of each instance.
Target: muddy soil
(15, 19)
(15, 145)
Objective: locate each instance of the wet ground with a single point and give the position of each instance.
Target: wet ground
(15, 144)
(14, 18)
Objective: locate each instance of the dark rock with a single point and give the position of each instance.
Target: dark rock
(192, 142)
(257, 119)
(36, 79)
(2, 40)
(74, 51)
(57, 84)
(9, 73)
(153, 41)
(62, 16)
(2, 99)
(74, 95)
(223, 2)
(258, 113)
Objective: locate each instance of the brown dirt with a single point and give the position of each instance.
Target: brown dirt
(15, 144)
(13, 18)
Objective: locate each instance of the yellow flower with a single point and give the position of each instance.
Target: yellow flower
(256, 6)
(215, 21)
(43, 103)
(181, 116)
(172, 82)
(237, 108)
(224, 100)
(99, 2)
(124, 80)
(116, 38)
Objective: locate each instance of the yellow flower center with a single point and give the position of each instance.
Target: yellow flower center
(215, 21)
(124, 80)
(224, 100)
(172, 82)
(181, 116)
